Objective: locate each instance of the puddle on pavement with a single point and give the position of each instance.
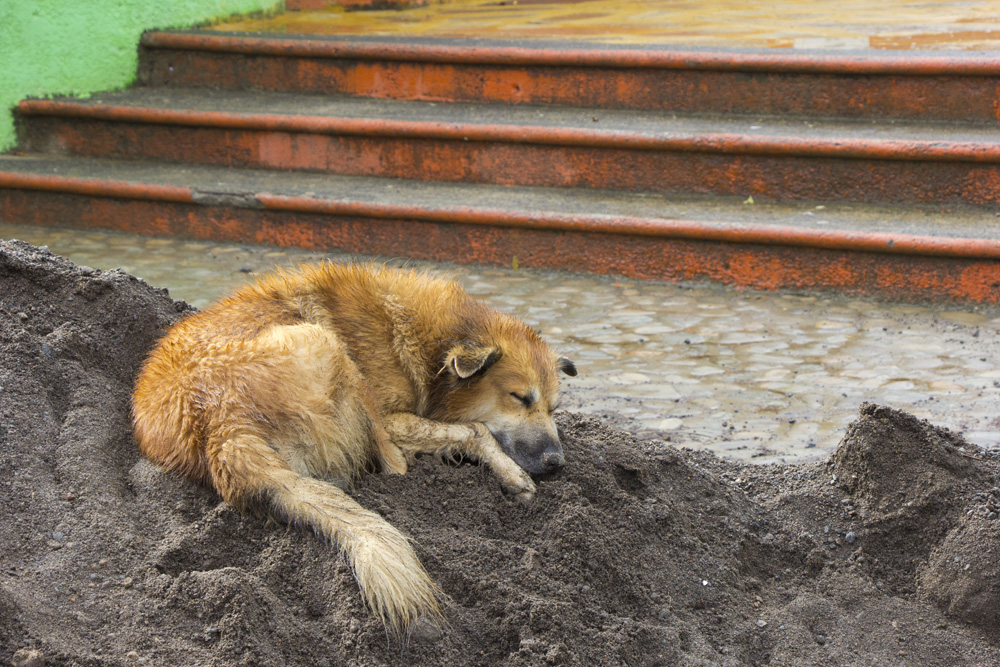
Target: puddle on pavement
(758, 376)
(789, 24)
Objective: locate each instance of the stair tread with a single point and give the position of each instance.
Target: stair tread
(213, 184)
(324, 112)
(495, 49)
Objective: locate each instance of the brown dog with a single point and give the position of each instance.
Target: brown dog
(328, 371)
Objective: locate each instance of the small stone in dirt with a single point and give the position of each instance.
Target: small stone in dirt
(529, 644)
(850, 537)
(820, 639)
(425, 631)
(27, 657)
(761, 623)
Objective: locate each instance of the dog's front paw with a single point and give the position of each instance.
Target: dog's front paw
(522, 489)
(513, 479)
(525, 497)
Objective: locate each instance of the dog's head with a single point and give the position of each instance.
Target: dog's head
(510, 383)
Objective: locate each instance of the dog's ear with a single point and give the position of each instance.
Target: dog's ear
(567, 366)
(464, 361)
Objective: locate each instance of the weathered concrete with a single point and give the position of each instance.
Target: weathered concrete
(776, 158)
(494, 225)
(868, 84)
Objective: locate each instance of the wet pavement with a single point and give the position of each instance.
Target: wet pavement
(800, 24)
(758, 376)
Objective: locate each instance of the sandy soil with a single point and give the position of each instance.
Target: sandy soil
(635, 554)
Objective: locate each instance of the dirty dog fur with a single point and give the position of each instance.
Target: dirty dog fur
(305, 379)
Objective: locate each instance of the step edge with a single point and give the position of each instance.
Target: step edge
(720, 142)
(631, 58)
(844, 240)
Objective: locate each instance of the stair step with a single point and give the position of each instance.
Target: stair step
(917, 253)
(876, 84)
(763, 156)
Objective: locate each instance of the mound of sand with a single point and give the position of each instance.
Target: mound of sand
(635, 554)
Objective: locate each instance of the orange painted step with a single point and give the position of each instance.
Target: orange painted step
(913, 85)
(644, 151)
(903, 253)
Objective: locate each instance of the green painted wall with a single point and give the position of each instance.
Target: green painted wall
(76, 47)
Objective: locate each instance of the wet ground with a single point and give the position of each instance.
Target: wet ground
(803, 24)
(635, 554)
(750, 375)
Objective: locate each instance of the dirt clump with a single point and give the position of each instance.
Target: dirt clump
(635, 554)
(905, 475)
(962, 574)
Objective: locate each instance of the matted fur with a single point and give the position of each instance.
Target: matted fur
(313, 376)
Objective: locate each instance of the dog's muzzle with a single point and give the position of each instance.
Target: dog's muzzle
(552, 461)
(539, 456)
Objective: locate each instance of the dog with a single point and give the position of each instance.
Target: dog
(301, 381)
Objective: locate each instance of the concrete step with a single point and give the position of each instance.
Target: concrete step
(870, 84)
(901, 252)
(788, 158)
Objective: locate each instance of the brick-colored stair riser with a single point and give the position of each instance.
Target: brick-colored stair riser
(904, 277)
(699, 171)
(932, 97)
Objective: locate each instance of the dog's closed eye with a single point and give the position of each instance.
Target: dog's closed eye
(527, 401)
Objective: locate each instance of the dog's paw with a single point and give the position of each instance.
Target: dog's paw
(524, 497)
(522, 490)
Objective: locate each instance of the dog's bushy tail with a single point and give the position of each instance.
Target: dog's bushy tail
(392, 580)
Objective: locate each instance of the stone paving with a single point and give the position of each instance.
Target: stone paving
(759, 376)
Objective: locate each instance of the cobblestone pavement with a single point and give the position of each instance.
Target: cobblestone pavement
(760, 376)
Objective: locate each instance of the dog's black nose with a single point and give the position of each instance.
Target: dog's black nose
(553, 461)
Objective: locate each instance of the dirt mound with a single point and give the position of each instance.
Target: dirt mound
(912, 480)
(895, 463)
(635, 554)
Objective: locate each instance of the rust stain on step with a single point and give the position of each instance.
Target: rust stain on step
(896, 266)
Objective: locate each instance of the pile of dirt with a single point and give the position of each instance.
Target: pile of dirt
(635, 554)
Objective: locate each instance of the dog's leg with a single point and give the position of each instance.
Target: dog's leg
(390, 457)
(245, 469)
(416, 435)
